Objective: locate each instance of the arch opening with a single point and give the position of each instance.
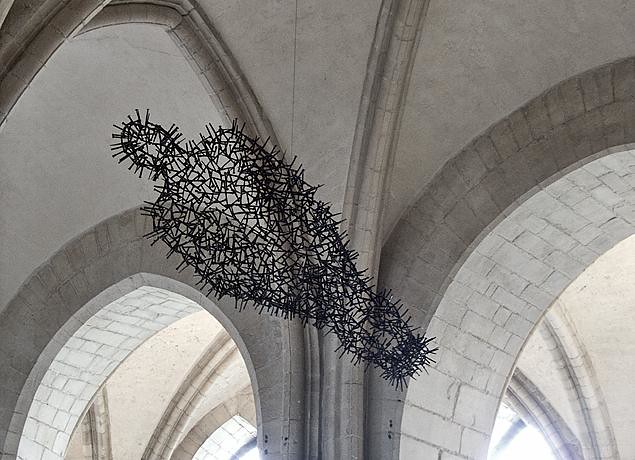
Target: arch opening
(149, 350)
(500, 292)
(579, 360)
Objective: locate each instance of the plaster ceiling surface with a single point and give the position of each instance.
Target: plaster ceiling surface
(480, 60)
(142, 386)
(601, 305)
(306, 62)
(57, 177)
(537, 363)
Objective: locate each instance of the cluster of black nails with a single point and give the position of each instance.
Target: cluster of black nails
(251, 228)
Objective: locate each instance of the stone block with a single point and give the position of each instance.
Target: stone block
(62, 266)
(534, 224)
(477, 325)
(415, 448)
(520, 128)
(604, 81)
(593, 210)
(441, 401)
(573, 196)
(626, 212)
(546, 157)
(557, 238)
(454, 180)
(571, 102)
(463, 222)
(455, 365)
(503, 139)
(606, 196)
(484, 207)
(442, 194)
(487, 152)
(518, 325)
(501, 363)
(624, 80)
(584, 255)
(508, 229)
(534, 245)
(474, 444)
(618, 229)
(499, 337)
(554, 106)
(46, 414)
(615, 183)
(521, 263)
(518, 174)
(567, 220)
(450, 311)
(475, 409)
(434, 429)
(537, 117)
(470, 166)
(496, 186)
(565, 264)
(555, 283)
(590, 91)
(508, 300)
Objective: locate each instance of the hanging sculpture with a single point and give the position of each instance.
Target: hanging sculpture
(251, 228)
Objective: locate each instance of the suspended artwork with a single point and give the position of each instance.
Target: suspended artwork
(252, 229)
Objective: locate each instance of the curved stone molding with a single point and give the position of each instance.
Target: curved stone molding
(394, 47)
(135, 13)
(95, 429)
(386, 82)
(210, 58)
(5, 6)
(205, 427)
(100, 427)
(100, 266)
(535, 410)
(582, 385)
(169, 432)
(498, 295)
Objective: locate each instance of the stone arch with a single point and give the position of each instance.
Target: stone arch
(94, 430)
(578, 375)
(87, 360)
(100, 266)
(564, 127)
(500, 292)
(550, 135)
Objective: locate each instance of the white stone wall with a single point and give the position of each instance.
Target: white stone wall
(500, 292)
(86, 361)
